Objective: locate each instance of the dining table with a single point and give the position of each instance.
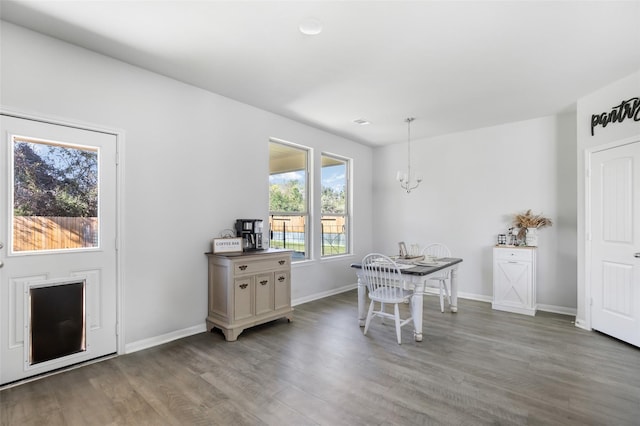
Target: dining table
(415, 276)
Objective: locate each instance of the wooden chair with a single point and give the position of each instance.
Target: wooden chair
(384, 285)
(439, 251)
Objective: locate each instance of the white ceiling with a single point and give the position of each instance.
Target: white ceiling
(453, 65)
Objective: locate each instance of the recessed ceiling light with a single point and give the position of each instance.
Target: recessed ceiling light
(361, 121)
(310, 26)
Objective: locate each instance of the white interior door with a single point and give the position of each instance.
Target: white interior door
(69, 247)
(615, 230)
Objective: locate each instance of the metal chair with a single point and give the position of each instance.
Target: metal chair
(384, 285)
(439, 251)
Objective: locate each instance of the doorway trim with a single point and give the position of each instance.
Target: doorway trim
(588, 153)
(120, 225)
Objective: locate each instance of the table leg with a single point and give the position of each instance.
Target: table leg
(454, 290)
(362, 302)
(416, 310)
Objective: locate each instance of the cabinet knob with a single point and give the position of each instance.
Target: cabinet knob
(282, 262)
(243, 286)
(281, 278)
(264, 282)
(636, 254)
(242, 267)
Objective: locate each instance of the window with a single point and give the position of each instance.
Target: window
(288, 198)
(55, 196)
(334, 220)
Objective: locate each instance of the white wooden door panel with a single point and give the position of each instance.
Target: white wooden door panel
(95, 264)
(615, 229)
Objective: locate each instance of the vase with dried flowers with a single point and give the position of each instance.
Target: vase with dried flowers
(529, 223)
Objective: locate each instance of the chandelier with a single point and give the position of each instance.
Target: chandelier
(407, 180)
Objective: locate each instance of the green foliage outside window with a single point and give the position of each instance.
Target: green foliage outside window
(333, 201)
(287, 197)
(55, 181)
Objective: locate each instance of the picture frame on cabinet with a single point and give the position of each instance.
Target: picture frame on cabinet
(226, 245)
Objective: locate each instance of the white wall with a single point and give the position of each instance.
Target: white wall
(600, 101)
(475, 182)
(194, 162)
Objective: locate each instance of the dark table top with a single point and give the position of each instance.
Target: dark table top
(423, 270)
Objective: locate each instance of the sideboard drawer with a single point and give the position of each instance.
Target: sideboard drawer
(514, 254)
(252, 267)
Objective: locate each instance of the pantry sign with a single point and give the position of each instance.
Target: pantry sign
(629, 109)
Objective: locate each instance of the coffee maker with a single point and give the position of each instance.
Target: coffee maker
(251, 232)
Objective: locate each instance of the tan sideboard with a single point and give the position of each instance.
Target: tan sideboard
(247, 289)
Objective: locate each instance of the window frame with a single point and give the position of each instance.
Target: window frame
(96, 229)
(347, 206)
(308, 198)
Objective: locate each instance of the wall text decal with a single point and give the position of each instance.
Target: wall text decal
(627, 109)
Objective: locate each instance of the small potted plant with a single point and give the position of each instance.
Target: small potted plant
(529, 223)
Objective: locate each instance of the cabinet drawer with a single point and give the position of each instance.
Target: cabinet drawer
(253, 266)
(525, 255)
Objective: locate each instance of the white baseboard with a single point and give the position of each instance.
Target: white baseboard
(178, 334)
(186, 332)
(558, 309)
(321, 295)
(432, 290)
(478, 297)
(563, 310)
(582, 324)
(164, 338)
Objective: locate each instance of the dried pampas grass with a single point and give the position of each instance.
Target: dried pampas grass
(529, 220)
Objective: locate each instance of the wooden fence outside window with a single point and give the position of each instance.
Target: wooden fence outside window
(33, 233)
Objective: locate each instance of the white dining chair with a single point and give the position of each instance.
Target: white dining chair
(384, 285)
(439, 251)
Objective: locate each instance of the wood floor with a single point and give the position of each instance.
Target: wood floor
(475, 367)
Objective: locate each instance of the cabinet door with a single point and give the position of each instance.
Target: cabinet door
(242, 301)
(264, 293)
(282, 290)
(512, 283)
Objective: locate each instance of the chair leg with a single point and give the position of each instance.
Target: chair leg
(441, 300)
(369, 315)
(397, 316)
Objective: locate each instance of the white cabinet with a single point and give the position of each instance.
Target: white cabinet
(514, 279)
(247, 289)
